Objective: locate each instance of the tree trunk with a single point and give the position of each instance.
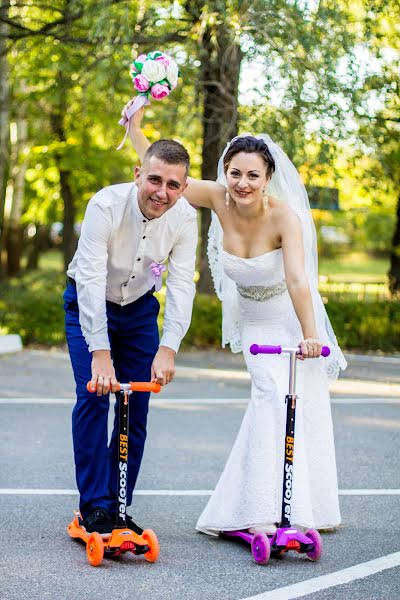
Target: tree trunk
(13, 227)
(14, 249)
(221, 57)
(394, 271)
(38, 243)
(4, 119)
(69, 237)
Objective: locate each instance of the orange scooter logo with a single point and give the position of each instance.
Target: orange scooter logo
(289, 448)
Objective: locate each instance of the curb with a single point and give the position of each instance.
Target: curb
(389, 360)
(10, 343)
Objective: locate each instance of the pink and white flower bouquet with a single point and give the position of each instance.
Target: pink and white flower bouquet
(154, 75)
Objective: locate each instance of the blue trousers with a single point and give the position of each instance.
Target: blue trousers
(134, 339)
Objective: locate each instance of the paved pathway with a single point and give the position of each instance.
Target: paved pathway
(191, 429)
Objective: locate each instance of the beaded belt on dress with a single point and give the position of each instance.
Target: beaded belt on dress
(262, 293)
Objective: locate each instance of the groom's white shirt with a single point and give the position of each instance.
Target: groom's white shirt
(113, 261)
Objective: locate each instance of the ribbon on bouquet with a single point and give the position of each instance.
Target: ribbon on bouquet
(138, 103)
(157, 270)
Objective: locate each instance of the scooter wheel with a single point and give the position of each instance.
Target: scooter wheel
(261, 548)
(95, 549)
(316, 552)
(152, 542)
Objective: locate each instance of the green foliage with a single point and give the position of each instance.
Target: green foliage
(367, 230)
(206, 326)
(32, 306)
(366, 325)
(315, 94)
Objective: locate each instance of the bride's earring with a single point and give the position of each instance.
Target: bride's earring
(227, 199)
(265, 197)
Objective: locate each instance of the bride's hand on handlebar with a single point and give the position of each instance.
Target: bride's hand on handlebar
(310, 348)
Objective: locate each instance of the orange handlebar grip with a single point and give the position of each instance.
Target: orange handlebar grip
(145, 386)
(135, 386)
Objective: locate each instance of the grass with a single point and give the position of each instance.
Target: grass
(51, 261)
(355, 266)
(355, 274)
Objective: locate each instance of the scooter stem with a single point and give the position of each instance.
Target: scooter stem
(292, 372)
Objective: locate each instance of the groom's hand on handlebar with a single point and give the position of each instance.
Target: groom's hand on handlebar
(310, 348)
(163, 367)
(103, 373)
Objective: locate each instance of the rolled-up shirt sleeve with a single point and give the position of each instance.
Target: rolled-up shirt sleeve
(180, 286)
(91, 274)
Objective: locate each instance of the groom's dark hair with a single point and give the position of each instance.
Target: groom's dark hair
(171, 152)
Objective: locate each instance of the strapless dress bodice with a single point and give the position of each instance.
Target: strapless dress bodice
(259, 278)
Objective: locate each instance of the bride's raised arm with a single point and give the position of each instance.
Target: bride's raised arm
(208, 194)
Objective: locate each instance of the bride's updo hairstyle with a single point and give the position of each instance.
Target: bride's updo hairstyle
(250, 145)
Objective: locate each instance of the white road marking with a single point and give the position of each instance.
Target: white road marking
(370, 358)
(310, 586)
(371, 492)
(171, 401)
(74, 492)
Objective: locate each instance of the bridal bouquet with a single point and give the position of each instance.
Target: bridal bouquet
(154, 75)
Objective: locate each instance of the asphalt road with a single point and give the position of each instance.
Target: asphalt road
(191, 430)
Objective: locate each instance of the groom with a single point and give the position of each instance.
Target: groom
(128, 232)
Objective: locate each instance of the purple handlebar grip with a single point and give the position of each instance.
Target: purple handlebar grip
(256, 349)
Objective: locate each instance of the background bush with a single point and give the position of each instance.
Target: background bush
(33, 307)
(365, 325)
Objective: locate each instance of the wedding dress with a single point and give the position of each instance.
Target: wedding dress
(257, 309)
(249, 491)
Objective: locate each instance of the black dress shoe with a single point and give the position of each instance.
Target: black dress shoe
(130, 524)
(98, 520)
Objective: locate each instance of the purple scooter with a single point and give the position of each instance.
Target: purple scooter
(286, 536)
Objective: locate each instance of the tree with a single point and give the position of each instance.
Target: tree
(215, 27)
(19, 163)
(4, 113)
(378, 104)
(71, 49)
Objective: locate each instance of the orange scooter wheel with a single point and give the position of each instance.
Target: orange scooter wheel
(152, 542)
(95, 549)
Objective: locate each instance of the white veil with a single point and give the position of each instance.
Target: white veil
(287, 185)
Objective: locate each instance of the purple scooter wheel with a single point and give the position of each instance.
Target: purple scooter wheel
(261, 548)
(316, 552)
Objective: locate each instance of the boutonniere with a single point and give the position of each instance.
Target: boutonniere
(157, 270)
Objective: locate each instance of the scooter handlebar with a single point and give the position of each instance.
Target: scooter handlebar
(134, 386)
(144, 386)
(256, 349)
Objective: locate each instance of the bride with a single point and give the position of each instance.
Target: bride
(262, 252)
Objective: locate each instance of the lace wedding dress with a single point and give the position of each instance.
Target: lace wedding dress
(249, 491)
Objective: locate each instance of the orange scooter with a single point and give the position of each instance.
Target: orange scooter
(121, 539)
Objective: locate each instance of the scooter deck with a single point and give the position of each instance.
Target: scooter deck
(120, 540)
